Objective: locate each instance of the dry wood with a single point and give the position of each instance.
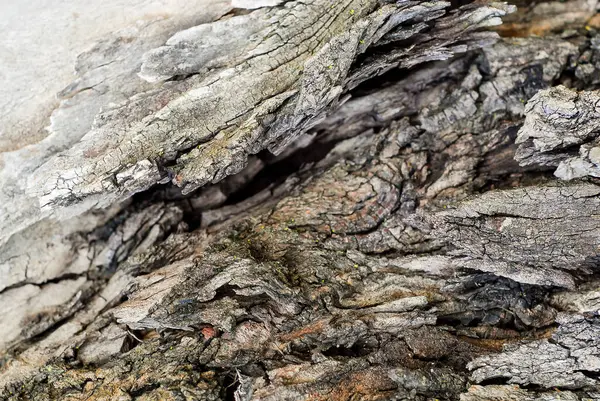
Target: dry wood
(313, 200)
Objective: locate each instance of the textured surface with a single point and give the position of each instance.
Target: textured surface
(569, 359)
(41, 39)
(560, 121)
(287, 68)
(352, 200)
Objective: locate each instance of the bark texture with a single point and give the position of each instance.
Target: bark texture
(313, 200)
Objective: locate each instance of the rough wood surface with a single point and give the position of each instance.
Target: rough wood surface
(313, 200)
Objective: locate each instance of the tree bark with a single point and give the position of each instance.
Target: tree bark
(313, 200)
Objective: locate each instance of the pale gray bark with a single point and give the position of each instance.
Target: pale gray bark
(312, 201)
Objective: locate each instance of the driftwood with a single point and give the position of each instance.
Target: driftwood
(313, 200)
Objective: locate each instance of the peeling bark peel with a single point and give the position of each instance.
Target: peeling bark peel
(293, 58)
(313, 200)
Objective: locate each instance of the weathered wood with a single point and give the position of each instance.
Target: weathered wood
(313, 201)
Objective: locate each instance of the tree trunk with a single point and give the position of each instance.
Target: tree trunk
(311, 200)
